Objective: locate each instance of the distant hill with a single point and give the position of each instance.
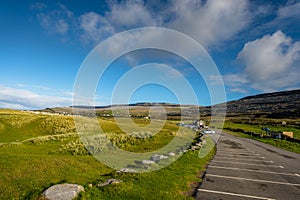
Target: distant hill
(284, 104)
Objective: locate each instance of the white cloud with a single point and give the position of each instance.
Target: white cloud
(289, 11)
(33, 86)
(284, 17)
(271, 62)
(56, 21)
(216, 79)
(212, 22)
(61, 26)
(121, 16)
(95, 27)
(25, 99)
(209, 22)
(234, 82)
(131, 14)
(38, 6)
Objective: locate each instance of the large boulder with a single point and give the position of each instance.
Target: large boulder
(64, 191)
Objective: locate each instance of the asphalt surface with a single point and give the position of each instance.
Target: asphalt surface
(248, 169)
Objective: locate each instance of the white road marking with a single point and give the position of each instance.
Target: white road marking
(234, 194)
(239, 163)
(236, 154)
(281, 166)
(252, 170)
(245, 159)
(232, 151)
(254, 180)
(263, 157)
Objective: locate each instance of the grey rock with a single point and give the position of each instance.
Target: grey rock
(148, 162)
(64, 191)
(109, 182)
(193, 148)
(157, 157)
(171, 154)
(198, 144)
(128, 170)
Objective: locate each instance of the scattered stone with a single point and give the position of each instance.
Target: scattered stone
(90, 185)
(128, 170)
(64, 191)
(171, 154)
(195, 148)
(157, 157)
(148, 162)
(198, 144)
(184, 151)
(109, 182)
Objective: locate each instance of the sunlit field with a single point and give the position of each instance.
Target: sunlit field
(38, 151)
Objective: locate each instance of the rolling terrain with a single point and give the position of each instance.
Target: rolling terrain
(277, 105)
(42, 148)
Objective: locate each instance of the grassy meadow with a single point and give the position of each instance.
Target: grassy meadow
(38, 151)
(273, 124)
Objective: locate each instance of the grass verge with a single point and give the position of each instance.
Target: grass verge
(172, 182)
(287, 145)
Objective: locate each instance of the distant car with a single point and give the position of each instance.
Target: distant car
(209, 132)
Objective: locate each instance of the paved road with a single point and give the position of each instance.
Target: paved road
(247, 169)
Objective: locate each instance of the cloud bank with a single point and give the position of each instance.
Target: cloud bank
(25, 99)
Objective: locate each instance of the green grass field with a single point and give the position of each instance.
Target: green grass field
(37, 151)
(287, 145)
(258, 128)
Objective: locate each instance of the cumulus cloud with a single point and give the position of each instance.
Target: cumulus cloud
(211, 22)
(121, 16)
(271, 62)
(25, 99)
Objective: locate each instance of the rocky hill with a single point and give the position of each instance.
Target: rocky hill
(284, 104)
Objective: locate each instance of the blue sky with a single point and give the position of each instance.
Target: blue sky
(255, 45)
